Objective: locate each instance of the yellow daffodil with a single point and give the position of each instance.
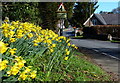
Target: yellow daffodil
(12, 39)
(67, 40)
(49, 41)
(76, 47)
(73, 45)
(3, 64)
(35, 41)
(18, 58)
(30, 35)
(68, 52)
(35, 44)
(19, 35)
(6, 19)
(12, 27)
(14, 70)
(6, 26)
(12, 51)
(33, 74)
(3, 47)
(66, 58)
(68, 44)
(51, 50)
(22, 76)
(27, 70)
(53, 45)
(20, 64)
(11, 33)
(46, 37)
(5, 31)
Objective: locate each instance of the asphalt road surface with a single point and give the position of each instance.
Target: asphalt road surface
(104, 47)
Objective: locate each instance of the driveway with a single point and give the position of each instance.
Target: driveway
(104, 47)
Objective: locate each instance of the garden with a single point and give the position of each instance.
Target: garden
(30, 53)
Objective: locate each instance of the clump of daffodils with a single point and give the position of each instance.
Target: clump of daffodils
(18, 68)
(14, 64)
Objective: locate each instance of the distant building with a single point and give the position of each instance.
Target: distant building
(103, 19)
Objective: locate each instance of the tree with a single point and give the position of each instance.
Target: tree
(82, 11)
(104, 12)
(49, 15)
(69, 8)
(23, 11)
(116, 10)
(41, 13)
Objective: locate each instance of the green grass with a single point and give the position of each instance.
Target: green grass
(77, 37)
(80, 69)
(115, 41)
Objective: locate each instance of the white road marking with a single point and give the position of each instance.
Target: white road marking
(108, 55)
(96, 50)
(111, 56)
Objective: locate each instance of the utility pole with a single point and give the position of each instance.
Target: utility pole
(90, 15)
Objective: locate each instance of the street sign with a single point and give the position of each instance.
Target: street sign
(62, 15)
(61, 8)
(61, 12)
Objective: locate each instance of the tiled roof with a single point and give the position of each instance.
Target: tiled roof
(109, 19)
(100, 18)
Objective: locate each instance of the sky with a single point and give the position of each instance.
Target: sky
(107, 6)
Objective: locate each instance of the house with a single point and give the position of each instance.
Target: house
(103, 19)
(103, 26)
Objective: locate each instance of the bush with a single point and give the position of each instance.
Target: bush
(114, 30)
(102, 31)
(31, 53)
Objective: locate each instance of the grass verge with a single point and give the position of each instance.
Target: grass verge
(76, 37)
(115, 41)
(80, 69)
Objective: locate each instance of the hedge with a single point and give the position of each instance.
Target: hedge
(104, 30)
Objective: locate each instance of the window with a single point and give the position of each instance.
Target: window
(94, 21)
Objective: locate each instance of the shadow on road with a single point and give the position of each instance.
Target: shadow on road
(110, 65)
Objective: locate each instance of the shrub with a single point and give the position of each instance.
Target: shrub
(102, 31)
(114, 30)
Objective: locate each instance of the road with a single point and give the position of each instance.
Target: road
(104, 53)
(104, 47)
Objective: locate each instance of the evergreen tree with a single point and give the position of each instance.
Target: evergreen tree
(116, 10)
(82, 11)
